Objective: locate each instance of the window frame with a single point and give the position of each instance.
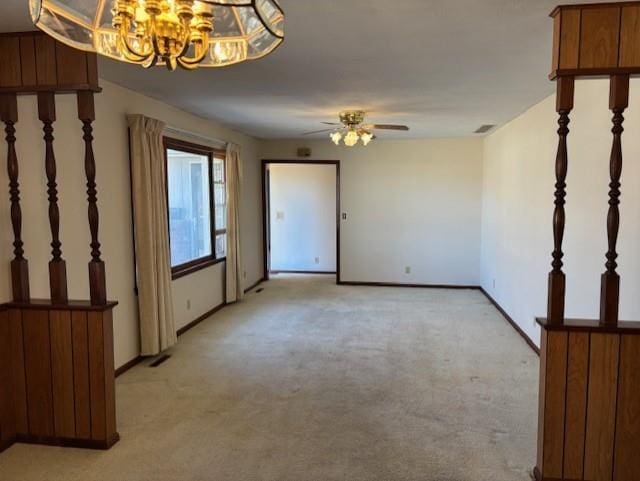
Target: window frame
(222, 155)
(195, 265)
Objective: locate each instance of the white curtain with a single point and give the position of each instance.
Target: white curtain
(234, 281)
(153, 258)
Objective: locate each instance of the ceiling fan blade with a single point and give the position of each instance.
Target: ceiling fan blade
(331, 123)
(385, 127)
(318, 131)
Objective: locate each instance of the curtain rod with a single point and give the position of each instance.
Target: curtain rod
(210, 140)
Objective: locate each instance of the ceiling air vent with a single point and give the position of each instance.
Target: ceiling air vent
(483, 129)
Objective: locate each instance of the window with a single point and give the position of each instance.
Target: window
(197, 203)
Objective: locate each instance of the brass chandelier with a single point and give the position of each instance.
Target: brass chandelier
(174, 33)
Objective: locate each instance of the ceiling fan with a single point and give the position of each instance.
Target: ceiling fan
(352, 128)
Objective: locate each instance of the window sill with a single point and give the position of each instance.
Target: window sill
(192, 267)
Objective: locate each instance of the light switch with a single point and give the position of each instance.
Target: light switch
(279, 215)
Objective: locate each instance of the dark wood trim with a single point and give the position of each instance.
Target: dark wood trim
(254, 285)
(194, 266)
(595, 73)
(201, 318)
(399, 284)
(513, 323)
(303, 272)
(48, 305)
(129, 365)
(591, 325)
(265, 214)
(584, 6)
(69, 442)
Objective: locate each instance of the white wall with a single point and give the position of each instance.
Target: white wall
(411, 203)
(112, 157)
(519, 180)
(303, 217)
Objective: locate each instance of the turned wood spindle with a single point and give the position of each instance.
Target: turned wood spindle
(97, 278)
(19, 265)
(557, 279)
(610, 282)
(57, 265)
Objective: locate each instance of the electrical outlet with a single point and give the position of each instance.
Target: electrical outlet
(188, 304)
(244, 274)
(317, 260)
(344, 216)
(407, 270)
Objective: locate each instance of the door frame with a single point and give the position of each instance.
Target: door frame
(265, 210)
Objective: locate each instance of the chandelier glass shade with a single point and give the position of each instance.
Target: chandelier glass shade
(185, 33)
(351, 137)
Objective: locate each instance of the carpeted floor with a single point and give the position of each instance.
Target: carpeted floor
(309, 381)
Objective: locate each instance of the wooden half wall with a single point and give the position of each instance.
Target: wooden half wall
(57, 373)
(57, 381)
(589, 423)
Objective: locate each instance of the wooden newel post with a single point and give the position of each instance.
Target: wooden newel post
(557, 280)
(97, 277)
(57, 265)
(610, 282)
(19, 265)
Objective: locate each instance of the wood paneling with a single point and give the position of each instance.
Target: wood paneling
(71, 65)
(542, 397)
(601, 406)
(37, 346)
(81, 389)
(575, 426)
(627, 464)
(61, 378)
(555, 59)
(570, 39)
(46, 60)
(62, 374)
(596, 39)
(18, 371)
(33, 62)
(599, 37)
(28, 61)
(109, 373)
(555, 389)
(630, 36)
(10, 73)
(7, 418)
(97, 378)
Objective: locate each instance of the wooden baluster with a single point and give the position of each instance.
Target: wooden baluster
(19, 265)
(557, 280)
(57, 265)
(610, 282)
(97, 278)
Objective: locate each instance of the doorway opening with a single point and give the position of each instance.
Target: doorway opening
(301, 217)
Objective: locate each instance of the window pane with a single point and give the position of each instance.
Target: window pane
(189, 207)
(218, 170)
(221, 245)
(221, 206)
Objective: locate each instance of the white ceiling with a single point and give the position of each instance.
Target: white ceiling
(444, 67)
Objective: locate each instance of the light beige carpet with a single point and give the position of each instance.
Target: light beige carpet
(309, 381)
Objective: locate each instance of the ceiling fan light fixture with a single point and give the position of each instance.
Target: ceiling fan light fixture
(366, 137)
(184, 33)
(336, 137)
(351, 139)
